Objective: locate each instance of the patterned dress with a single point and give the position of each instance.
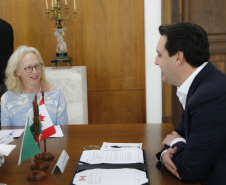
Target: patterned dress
(15, 107)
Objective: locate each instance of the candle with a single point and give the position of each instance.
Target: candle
(74, 5)
(47, 5)
(52, 4)
(65, 2)
(55, 2)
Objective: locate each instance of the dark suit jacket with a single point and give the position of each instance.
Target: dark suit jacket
(203, 125)
(6, 46)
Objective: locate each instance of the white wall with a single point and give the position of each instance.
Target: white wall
(152, 17)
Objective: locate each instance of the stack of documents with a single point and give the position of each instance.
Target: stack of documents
(6, 137)
(112, 157)
(114, 163)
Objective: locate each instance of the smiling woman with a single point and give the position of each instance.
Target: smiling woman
(25, 77)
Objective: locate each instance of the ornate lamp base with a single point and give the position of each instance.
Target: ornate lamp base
(45, 156)
(36, 175)
(39, 165)
(61, 58)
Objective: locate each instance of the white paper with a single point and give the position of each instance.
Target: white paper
(6, 149)
(4, 133)
(58, 133)
(121, 146)
(12, 132)
(62, 161)
(122, 176)
(17, 132)
(7, 135)
(6, 139)
(112, 157)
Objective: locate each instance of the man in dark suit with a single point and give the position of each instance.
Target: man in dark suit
(196, 150)
(6, 49)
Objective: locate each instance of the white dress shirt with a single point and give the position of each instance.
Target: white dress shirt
(182, 91)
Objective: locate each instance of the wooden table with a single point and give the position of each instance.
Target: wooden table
(78, 136)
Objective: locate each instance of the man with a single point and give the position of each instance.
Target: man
(6, 49)
(196, 150)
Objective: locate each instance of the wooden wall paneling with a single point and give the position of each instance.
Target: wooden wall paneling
(218, 57)
(111, 37)
(112, 46)
(220, 65)
(166, 103)
(107, 37)
(219, 61)
(210, 15)
(107, 107)
(166, 88)
(31, 26)
(166, 11)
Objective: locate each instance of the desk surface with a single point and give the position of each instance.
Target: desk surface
(78, 136)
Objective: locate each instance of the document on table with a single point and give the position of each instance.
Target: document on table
(6, 149)
(4, 133)
(110, 177)
(112, 157)
(12, 132)
(121, 146)
(6, 136)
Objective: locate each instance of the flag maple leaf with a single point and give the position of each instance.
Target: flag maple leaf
(41, 118)
(48, 128)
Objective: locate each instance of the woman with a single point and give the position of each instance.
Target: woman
(25, 77)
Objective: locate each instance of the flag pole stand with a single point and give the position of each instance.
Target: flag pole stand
(37, 165)
(36, 175)
(46, 156)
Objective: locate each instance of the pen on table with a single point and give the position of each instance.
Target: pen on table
(11, 133)
(115, 146)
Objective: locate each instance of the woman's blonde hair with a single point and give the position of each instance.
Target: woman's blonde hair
(13, 81)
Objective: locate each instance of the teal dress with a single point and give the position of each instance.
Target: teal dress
(15, 107)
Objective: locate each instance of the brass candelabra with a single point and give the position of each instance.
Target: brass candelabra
(57, 14)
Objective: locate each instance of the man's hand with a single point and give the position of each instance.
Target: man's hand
(170, 137)
(167, 160)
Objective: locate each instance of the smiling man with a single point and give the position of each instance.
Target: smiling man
(196, 150)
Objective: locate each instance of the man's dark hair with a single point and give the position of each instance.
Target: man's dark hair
(189, 38)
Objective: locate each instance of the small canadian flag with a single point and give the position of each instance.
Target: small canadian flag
(48, 128)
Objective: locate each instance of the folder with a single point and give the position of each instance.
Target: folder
(139, 166)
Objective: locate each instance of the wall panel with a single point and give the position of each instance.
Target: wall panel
(107, 106)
